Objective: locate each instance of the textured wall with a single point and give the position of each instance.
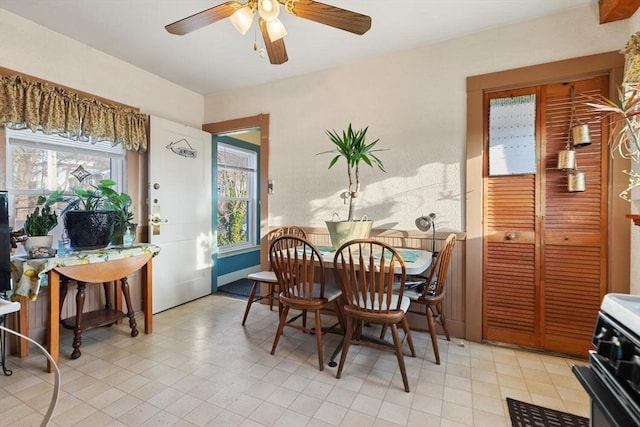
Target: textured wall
(414, 101)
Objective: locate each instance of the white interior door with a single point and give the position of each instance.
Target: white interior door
(180, 212)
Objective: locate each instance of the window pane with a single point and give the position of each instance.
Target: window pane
(38, 164)
(41, 169)
(232, 183)
(233, 217)
(237, 198)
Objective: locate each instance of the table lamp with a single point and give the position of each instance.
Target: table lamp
(425, 223)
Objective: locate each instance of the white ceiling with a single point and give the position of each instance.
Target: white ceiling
(217, 58)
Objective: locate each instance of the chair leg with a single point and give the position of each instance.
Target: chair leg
(398, 346)
(383, 332)
(407, 334)
(443, 321)
(346, 342)
(340, 315)
(283, 320)
(252, 295)
(272, 293)
(319, 340)
(434, 338)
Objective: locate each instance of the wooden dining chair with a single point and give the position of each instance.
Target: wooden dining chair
(301, 276)
(366, 271)
(432, 295)
(268, 276)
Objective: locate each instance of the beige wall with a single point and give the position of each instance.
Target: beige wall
(414, 101)
(32, 49)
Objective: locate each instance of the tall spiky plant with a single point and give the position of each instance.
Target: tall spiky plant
(624, 137)
(352, 146)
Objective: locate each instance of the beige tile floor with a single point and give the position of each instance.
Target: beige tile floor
(201, 367)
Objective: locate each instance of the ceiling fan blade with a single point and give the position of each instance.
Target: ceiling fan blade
(204, 18)
(329, 15)
(276, 50)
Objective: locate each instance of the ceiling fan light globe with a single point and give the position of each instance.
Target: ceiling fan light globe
(276, 30)
(242, 19)
(268, 10)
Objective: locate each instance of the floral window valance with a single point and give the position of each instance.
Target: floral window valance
(53, 110)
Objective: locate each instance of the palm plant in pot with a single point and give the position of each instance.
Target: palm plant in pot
(37, 226)
(351, 145)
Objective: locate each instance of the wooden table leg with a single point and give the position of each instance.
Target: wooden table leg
(23, 326)
(53, 328)
(124, 282)
(147, 294)
(77, 330)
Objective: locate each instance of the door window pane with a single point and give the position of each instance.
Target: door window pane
(237, 197)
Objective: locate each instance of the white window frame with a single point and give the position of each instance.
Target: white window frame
(252, 199)
(27, 138)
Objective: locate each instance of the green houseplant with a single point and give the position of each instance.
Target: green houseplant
(352, 146)
(37, 226)
(121, 202)
(91, 215)
(42, 220)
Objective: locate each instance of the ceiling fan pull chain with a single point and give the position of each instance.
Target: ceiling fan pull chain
(259, 50)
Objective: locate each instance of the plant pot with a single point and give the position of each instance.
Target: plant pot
(89, 229)
(343, 231)
(39, 246)
(118, 233)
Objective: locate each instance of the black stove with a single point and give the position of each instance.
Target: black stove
(612, 378)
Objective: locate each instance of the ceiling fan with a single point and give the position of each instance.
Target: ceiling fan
(242, 15)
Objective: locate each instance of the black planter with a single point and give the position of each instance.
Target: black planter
(89, 229)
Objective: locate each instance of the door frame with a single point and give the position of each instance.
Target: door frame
(612, 64)
(260, 121)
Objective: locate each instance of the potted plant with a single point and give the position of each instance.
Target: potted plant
(90, 215)
(352, 146)
(123, 219)
(37, 226)
(624, 137)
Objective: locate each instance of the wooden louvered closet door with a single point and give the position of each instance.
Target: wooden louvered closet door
(545, 247)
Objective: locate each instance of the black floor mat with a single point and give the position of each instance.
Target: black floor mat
(239, 289)
(527, 415)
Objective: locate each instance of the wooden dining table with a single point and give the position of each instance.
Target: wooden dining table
(416, 261)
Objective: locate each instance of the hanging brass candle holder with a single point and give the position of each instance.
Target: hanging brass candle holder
(581, 137)
(567, 159)
(576, 181)
(578, 132)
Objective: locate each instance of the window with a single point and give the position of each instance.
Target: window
(39, 163)
(237, 197)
